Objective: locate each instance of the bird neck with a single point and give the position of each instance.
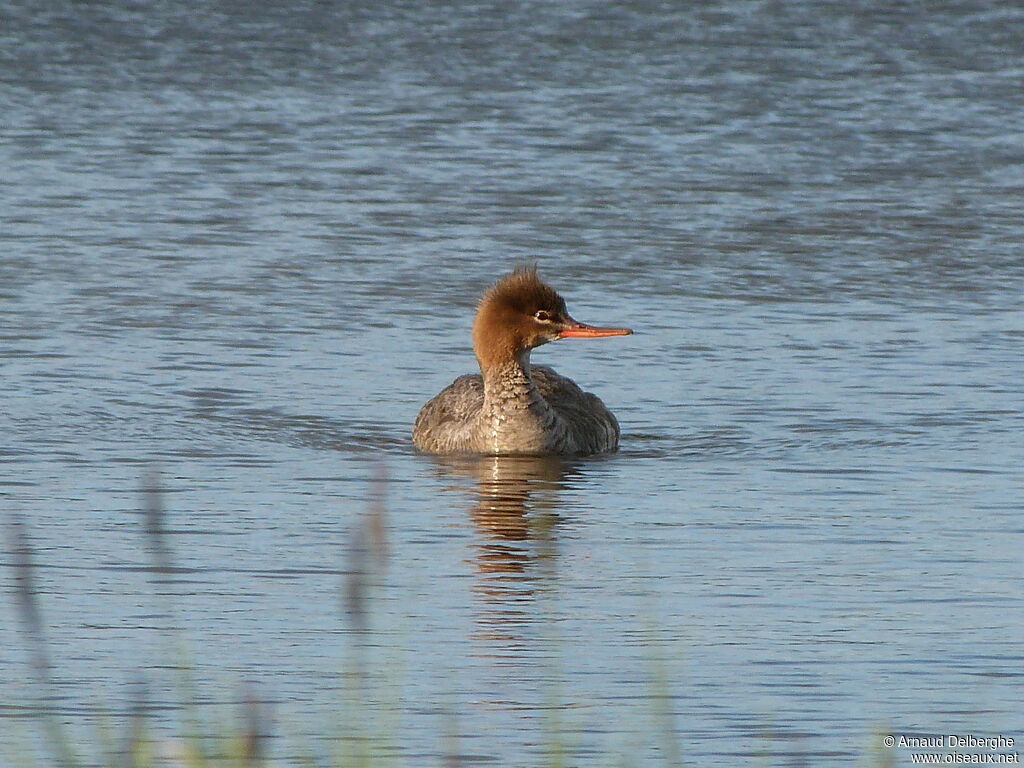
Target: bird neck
(508, 385)
(515, 417)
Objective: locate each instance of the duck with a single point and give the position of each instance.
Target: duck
(514, 408)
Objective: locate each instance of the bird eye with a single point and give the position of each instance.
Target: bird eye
(542, 316)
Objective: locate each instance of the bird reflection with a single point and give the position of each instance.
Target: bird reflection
(514, 509)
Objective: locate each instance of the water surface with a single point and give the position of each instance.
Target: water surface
(243, 245)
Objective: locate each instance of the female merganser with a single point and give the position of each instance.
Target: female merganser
(515, 408)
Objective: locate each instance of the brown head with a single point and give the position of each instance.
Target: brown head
(520, 312)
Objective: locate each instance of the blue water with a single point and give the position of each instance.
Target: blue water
(240, 245)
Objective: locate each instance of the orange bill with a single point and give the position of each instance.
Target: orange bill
(576, 330)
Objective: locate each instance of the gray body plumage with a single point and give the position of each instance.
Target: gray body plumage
(523, 409)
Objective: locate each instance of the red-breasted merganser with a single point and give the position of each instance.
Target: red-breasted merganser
(515, 408)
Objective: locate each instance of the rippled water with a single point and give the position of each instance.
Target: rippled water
(243, 244)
